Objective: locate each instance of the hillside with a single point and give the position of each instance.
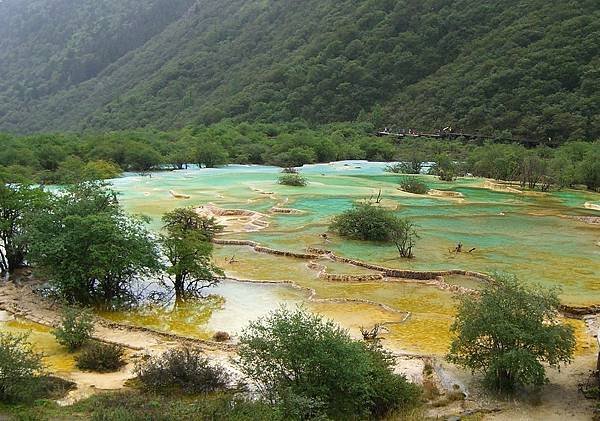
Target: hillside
(526, 67)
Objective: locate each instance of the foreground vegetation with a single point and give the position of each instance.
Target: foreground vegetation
(304, 367)
(136, 405)
(309, 368)
(71, 158)
(299, 366)
(510, 333)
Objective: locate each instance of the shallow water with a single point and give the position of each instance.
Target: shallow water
(56, 358)
(229, 307)
(526, 234)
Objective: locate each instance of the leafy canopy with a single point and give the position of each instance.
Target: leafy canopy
(17, 203)
(75, 329)
(366, 221)
(309, 366)
(291, 179)
(509, 332)
(90, 249)
(20, 366)
(186, 243)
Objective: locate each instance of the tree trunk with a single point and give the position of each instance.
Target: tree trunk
(179, 288)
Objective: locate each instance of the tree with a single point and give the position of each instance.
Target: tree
(17, 202)
(141, 157)
(20, 365)
(296, 157)
(562, 170)
(89, 248)
(532, 170)
(19, 174)
(50, 156)
(186, 243)
(444, 167)
(180, 153)
(187, 219)
(413, 164)
(404, 235)
(589, 168)
(100, 170)
(309, 366)
(211, 155)
(496, 161)
(508, 332)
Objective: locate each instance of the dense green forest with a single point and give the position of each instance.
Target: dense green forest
(70, 158)
(512, 67)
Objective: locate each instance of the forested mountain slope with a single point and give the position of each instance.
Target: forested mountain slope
(47, 46)
(530, 67)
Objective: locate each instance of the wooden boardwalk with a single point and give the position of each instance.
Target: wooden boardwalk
(470, 137)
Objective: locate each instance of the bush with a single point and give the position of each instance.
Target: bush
(184, 369)
(309, 366)
(20, 368)
(365, 222)
(221, 336)
(100, 357)
(404, 168)
(447, 175)
(444, 167)
(413, 185)
(76, 328)
(291, 179)
(508, 332)
(130, 405)
(397, 168)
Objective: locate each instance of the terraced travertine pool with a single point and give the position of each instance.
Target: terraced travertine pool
(532, 235)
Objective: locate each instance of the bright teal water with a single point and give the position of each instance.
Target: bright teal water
(528, 235)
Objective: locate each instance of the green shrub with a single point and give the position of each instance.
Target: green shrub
(291, 179)
(185, 369)
(397, 168)
(444, 167)
(365, 222)
(412, 167)
(20, 368)
(50, 387)
(133, 405)
(509, 332)
(310, 367)
(76, 328)
(447, 175)
(100, 357)
(413, 185)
